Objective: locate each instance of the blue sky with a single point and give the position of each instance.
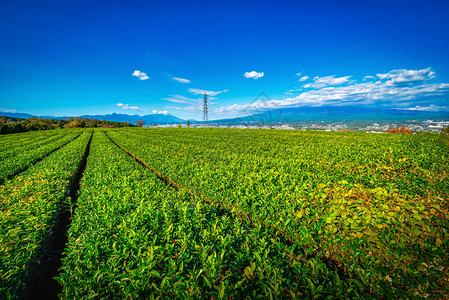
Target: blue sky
(78, 57)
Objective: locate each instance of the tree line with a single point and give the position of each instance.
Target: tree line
(14, 125)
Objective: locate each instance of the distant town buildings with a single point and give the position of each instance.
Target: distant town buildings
(379, 127)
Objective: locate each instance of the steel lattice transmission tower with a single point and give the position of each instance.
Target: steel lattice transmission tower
(205, 121)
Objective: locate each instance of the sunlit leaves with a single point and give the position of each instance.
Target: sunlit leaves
(29, 204)
(343, 193)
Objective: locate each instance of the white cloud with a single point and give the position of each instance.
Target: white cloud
(368, 77)
(404, 77)
(422, 96)
(181, 99)
(7, 110)
(140, 75)
(304, 78)
(253, 74)
(182, 80)
(191, 108)
(257, 106)
(201, 92)
(331, 80)
(313, 85)
(431, 107)
(159, 112)
(126, 106)
(192, 105)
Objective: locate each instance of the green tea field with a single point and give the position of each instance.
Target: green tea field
(210, 213)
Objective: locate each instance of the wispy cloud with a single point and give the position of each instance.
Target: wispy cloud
(180, 99)
(331, 80)
(7, 110)
(192, 105)
(431, 107)
(191, 108)
(416, 95)
(403, 77)
(159, 112)
(126, 106)
(182, 80)
(253, 74)
(201, 92)
(303, 78)
(140, 75)
(321, 82)
(254, 107)
(313, 85)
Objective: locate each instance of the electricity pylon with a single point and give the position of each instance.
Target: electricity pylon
(205, 121)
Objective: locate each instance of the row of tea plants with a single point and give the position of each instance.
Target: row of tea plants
(134, 237)
(375, 205)
(29, 204)
(10, 141)
(19, 155)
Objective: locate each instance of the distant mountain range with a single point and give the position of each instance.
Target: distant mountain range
(300, 114)
(335, 114)
(149, 119)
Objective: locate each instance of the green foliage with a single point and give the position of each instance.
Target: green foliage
(376, 205)
(255, 214)
(445, 130)
(13, 125)
(20, 154)
(28, 207)
(135, 237)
